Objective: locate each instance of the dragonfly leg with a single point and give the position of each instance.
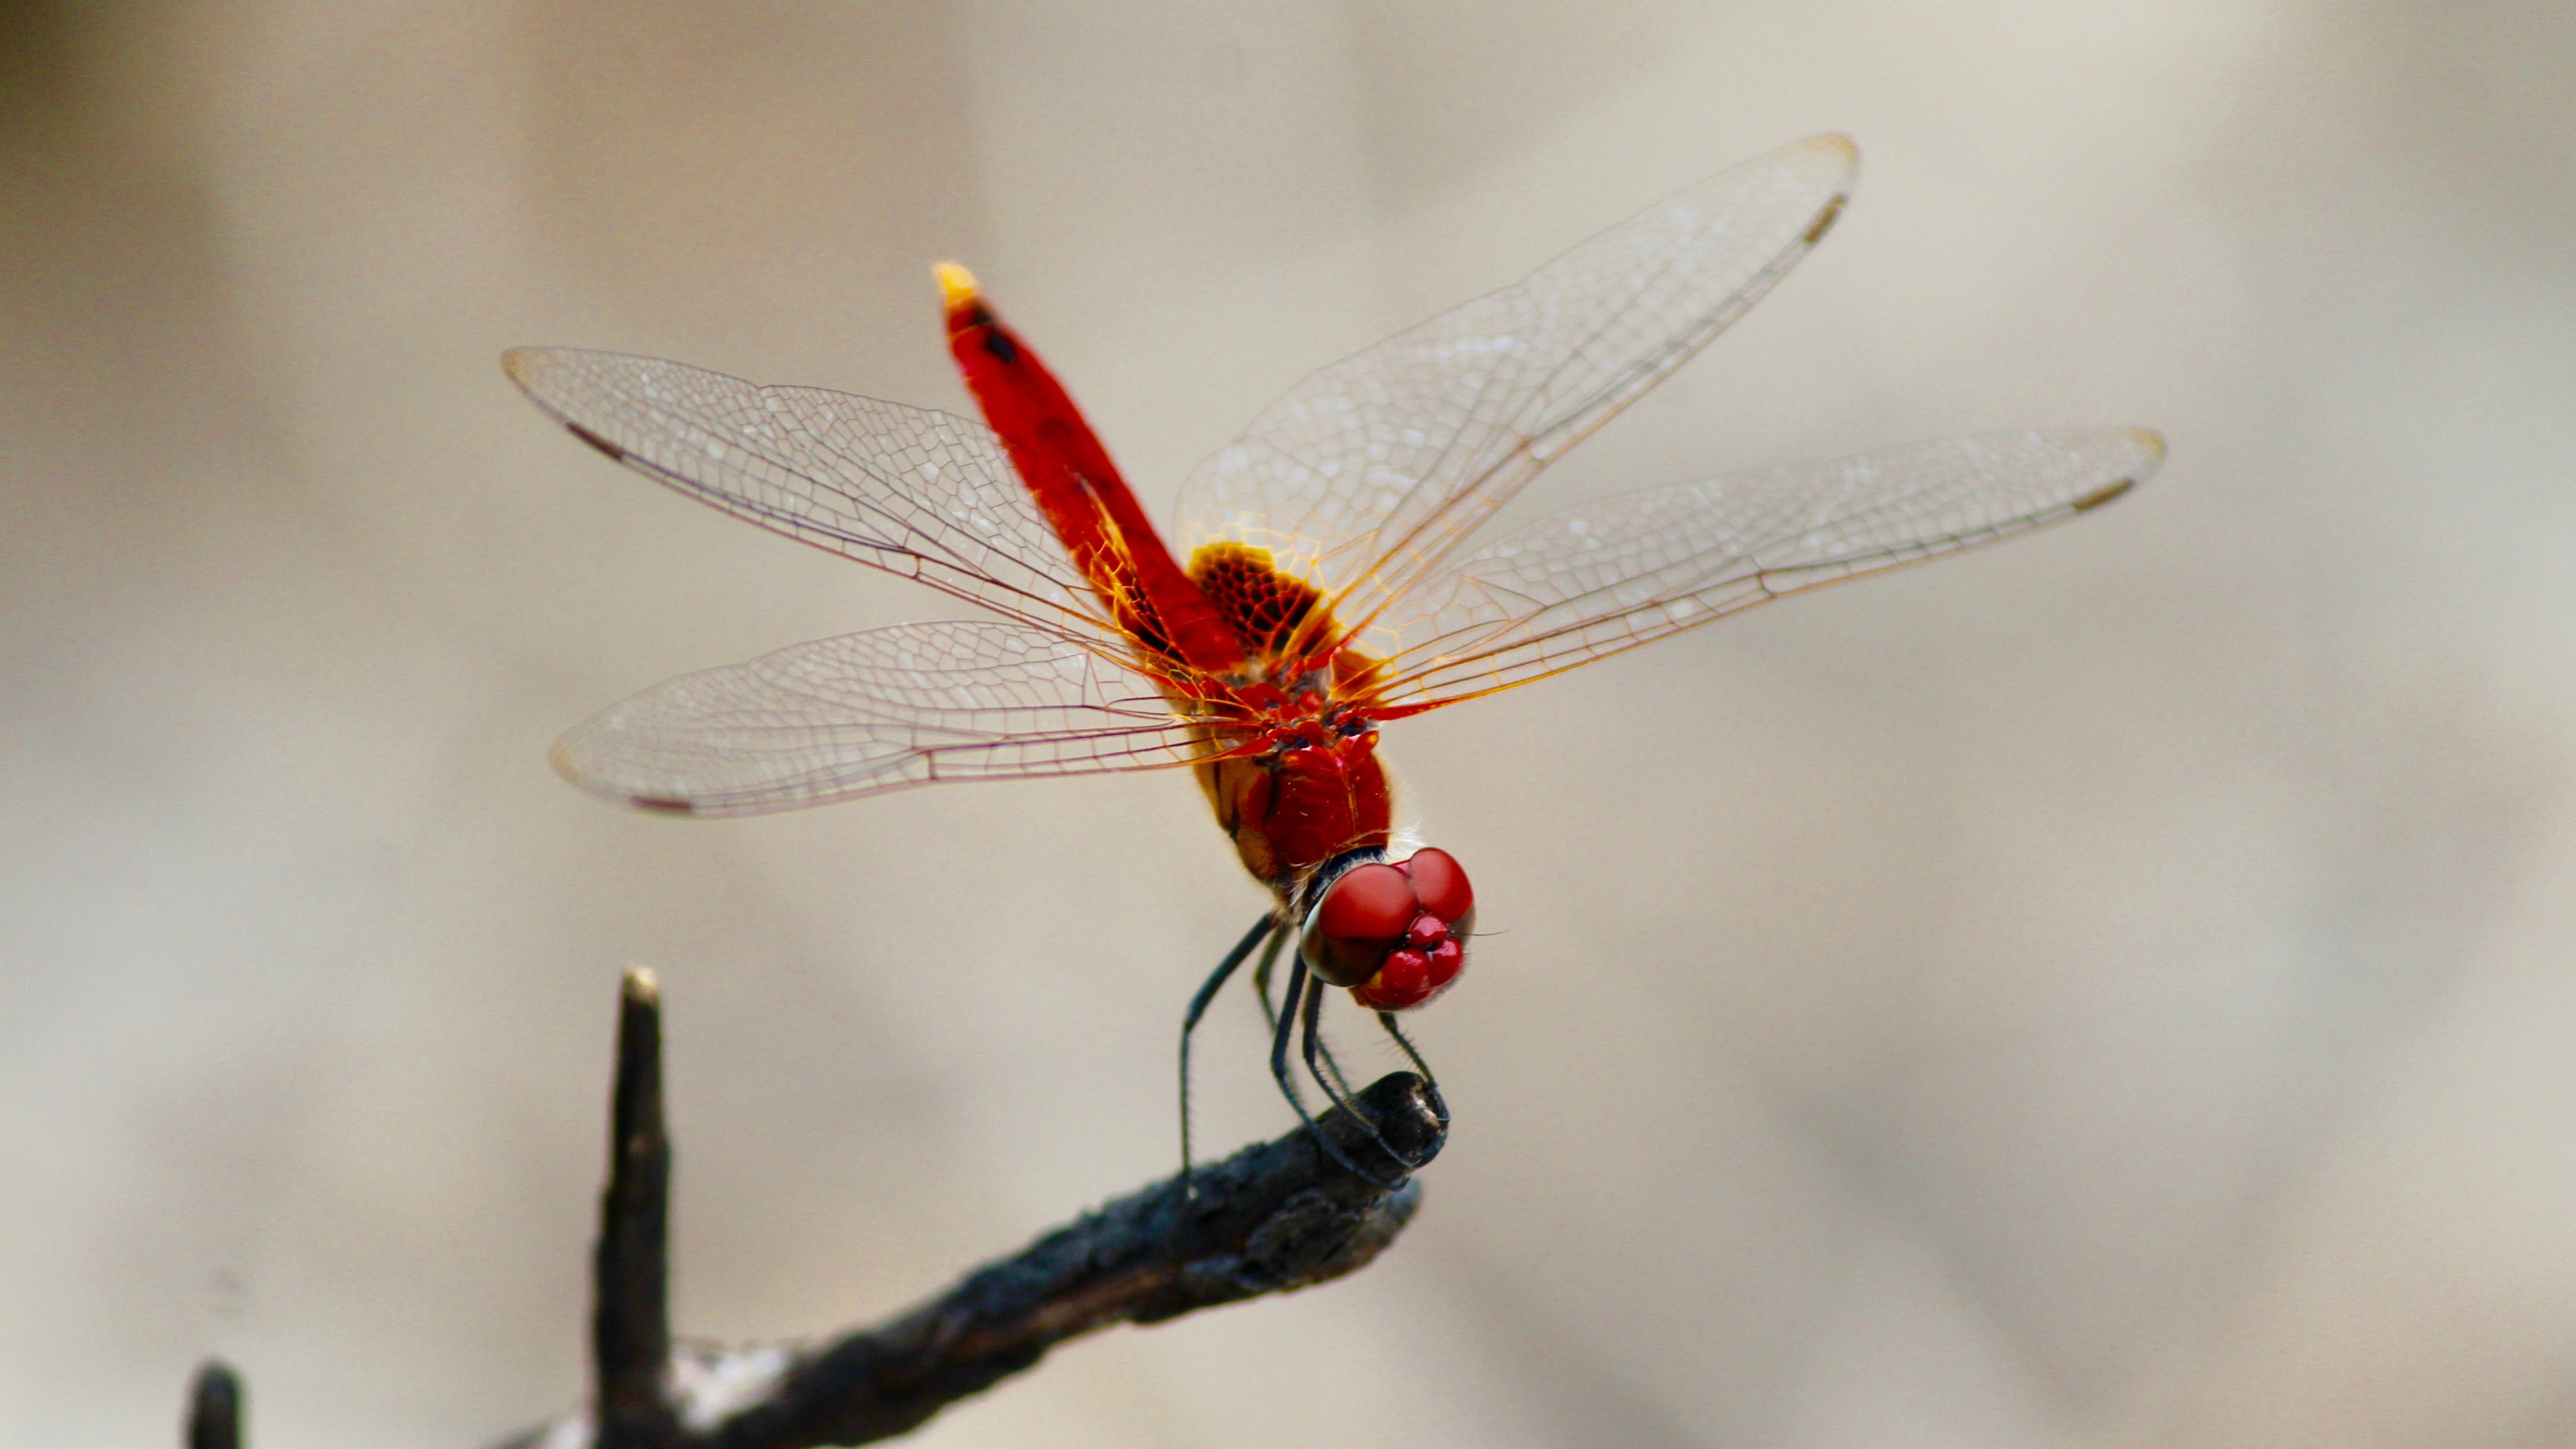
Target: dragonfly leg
(1430, 1086)
(1270, 1014)
(1315, 1044)
(1287, 1079)
(1264, 929)
(1261, 979)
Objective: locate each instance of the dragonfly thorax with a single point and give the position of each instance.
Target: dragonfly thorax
(1295, 794)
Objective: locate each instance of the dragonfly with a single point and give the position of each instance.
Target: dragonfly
(1336, 576)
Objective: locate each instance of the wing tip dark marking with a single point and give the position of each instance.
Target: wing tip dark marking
(2100, 496)
(615, 453)
(1825, 219)
(662, 804)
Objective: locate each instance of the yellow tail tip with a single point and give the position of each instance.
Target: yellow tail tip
(956, 284)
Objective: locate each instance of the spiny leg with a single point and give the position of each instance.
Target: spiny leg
(1261, 979)
(1264, 929)
(1341, 1099)
(1430, 1086)
(1287, 1079)
(1261, 985)
(1333, 1069)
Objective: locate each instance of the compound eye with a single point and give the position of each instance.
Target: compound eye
(1440, 883)
(1363, 916)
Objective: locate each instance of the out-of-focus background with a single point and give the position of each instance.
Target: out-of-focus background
(2116, 989)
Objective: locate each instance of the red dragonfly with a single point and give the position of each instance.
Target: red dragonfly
(1328, 584)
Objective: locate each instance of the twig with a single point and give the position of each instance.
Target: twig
(1276, 1216)
(630, 1328)
(215, 1407)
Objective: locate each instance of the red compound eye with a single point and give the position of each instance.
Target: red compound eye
(1361, 918)
(1440, 883)
(1369, 902)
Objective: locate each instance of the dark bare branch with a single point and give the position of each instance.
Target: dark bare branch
(1273, 1217)
(1276, 1216)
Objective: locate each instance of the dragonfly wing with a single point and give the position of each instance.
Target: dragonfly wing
(914, 491)
(868, 713)
(1592, 581)
(1365, 475)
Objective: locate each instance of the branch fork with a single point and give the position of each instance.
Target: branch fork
(1274, 1217)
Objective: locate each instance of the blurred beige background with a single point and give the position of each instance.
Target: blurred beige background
(2117, 989)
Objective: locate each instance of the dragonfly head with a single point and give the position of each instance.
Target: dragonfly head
(1395, 933)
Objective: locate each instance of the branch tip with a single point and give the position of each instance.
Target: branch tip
(630, 1270)
(215, 1407)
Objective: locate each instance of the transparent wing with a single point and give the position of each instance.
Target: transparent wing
(867, 713)
(1592, 581)
(1367, 474)
(917, 492)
